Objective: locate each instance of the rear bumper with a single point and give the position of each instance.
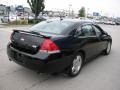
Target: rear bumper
(42, 62)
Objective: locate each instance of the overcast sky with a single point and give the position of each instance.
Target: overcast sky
(106, 7)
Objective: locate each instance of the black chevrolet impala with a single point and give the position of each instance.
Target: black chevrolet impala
(56, 46)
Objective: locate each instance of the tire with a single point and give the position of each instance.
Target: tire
(76, 65)
(108, 49)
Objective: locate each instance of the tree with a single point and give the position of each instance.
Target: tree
(36, 6)
(82, 12)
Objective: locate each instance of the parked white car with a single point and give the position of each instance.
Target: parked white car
(109, 22)
(7, 19)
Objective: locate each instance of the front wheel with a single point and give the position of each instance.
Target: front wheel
(108, 49)
(76, 65)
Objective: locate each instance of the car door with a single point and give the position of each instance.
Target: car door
(86, 40)
(102, 42)
(88, 33)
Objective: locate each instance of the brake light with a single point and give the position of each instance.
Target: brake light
(49, 46)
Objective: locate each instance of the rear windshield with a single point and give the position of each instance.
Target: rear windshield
(55, 27)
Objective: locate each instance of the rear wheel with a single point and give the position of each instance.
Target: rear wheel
(108, 49)
(76, 65)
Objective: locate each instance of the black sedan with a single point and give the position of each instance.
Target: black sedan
(58, 46)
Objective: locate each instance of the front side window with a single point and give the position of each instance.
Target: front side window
(97, 30)
(87, 30)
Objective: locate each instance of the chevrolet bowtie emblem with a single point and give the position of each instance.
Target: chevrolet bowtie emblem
(22, 39)
(34, 46)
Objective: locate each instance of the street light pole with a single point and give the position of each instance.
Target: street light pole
(87, 14)
(69, 9)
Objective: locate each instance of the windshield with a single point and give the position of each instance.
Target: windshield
(56, 27)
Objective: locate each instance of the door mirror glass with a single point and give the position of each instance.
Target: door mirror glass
(105, 33)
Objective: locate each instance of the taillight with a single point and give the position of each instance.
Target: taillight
(49, 46)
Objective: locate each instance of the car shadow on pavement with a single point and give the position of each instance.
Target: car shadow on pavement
(27, 72)
(30, 80)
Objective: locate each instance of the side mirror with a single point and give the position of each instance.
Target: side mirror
(105, 33)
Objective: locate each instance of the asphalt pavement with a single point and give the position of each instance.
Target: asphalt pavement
(102, 73)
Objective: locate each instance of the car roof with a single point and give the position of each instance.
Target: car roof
(75, 23)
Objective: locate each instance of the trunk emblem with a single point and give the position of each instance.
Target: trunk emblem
(34, 46)
(22, 39)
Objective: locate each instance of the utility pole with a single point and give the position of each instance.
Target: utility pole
(70, 5)
(87, 14)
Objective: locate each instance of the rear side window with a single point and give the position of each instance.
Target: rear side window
(87, 30)
(56, 27)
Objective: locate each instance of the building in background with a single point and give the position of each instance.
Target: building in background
(60, 13)
(2, 9)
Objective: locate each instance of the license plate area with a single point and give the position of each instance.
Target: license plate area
(19, 57)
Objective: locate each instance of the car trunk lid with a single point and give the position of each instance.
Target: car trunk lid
(28, 42)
